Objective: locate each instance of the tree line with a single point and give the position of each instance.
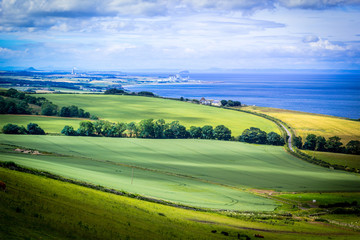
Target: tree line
(32, 129)
(159, 129)
(332, 144)
(17, 102)
(148, 128)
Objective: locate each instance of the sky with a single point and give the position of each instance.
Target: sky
(125, 35)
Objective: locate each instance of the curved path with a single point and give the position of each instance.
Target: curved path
(289, 135)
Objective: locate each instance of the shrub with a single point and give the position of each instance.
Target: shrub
(34, 129)
(13, 129)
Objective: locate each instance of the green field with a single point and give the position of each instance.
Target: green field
(136, 108)
(49, 124)
(323, 198)
(348, 160)
(35, 207)
(211, 174)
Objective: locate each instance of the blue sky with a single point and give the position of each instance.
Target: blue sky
(195, 35)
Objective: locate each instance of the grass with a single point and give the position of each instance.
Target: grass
(322, 125)
(211, 174)
(323, 198)
(136, 108)
(35, 207)
(348, 160)
(49, 124)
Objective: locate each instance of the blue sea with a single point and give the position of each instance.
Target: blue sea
(331, 94)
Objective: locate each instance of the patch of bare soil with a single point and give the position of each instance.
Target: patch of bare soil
(27, 151)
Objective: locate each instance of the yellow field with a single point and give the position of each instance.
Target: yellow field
(306, 123)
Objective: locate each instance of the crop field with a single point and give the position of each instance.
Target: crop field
(306, 123)
(49, 123)
(210, 174)
(136, 108)
(349, 160)
(35, 207)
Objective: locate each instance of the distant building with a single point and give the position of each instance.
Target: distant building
(204, 101)
(216, 103)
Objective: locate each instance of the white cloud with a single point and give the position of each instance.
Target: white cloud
(325, 44)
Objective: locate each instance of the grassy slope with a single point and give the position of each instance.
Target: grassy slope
(36, 207)
(135, 108)
(305, 123)
(208, 164)
(349, 160)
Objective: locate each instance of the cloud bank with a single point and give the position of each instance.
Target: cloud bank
(127, 34)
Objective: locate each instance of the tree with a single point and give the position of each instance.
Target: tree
(223, 102)
(273, 138)
(74, 111)
(146, 128)
(222, 133)
(333, 144)
(207, 132)
(237, 103)
(310, 142)
(64, 112)
(22, 108)
(13, 129)
(181, 98)
(117, 130)
(49, 109)
(86, 128)
(253, 135)
(159, 128)
(298, 142)
(320, 143)
(146, 94)
(195, 132)
(11, 92)
(114, 91)
(353, 147)
(230, 103)
(178, 130)
(132, 129)
(34, 129)
(69, 131)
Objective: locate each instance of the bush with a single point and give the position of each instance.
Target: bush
(274, 139)
(114, 91)
(253, 135)
(34, 129)
(13, 129)
(69, 131)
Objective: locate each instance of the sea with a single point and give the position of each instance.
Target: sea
(330, 94)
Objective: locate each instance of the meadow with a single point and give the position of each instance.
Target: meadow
(35, 207)
(202, 173)
(308, 123)
(118, 108)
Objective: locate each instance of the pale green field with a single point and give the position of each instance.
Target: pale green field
(35, 207)
(306, 123)
(136, 108)
(211, 174)
(49, 124)
(349, 160)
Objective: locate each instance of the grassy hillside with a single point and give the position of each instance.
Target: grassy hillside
(210, 174)
(136, 108)
(35, 207)
(306, 123)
